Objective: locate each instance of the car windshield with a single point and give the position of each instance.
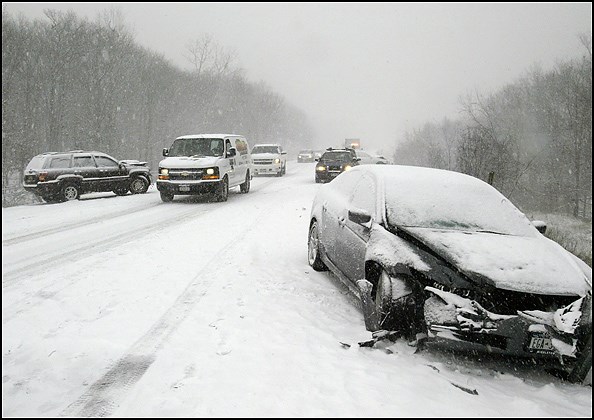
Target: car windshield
(265, 149)
(197, 147)
(336, 156)
(450, 201)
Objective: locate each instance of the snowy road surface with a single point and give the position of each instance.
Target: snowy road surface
(127, 306)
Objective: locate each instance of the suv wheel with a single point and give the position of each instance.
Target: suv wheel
(139, 185)
(70, 192)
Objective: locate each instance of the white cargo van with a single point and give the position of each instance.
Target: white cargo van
(205, 164)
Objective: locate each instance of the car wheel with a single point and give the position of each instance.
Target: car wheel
(139, 185)
(70, 192)
(120, 191)
(166, 198)
(223, 190)
(245, 187)
(313, 249)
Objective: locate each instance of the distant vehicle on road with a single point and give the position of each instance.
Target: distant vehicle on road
(442, 257)
(333, 162)
(63, 176)
(305, 155)
(269, 159)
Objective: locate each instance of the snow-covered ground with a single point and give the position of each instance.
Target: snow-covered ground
(127, 306)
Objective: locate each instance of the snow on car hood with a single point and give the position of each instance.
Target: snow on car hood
(517, 263)
(189, 162)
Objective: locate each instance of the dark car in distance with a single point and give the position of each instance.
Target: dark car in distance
(333, 162)
(443, 258)
(63, 176)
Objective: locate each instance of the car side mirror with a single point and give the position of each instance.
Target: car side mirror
(283, 153)
(165, 151)
(540, 225)
(317, 159)
(232, 152)
(360, 217)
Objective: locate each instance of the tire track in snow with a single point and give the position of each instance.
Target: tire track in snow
(94, 248)
(102, 397)
(62, 228)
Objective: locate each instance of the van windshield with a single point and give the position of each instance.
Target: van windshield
(197, 147)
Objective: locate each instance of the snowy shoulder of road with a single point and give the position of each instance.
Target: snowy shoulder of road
(131, 307)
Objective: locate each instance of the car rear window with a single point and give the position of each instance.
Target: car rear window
(36, 163)
(60, 162)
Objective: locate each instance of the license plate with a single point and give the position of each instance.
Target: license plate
(540, 344)
(184, 188)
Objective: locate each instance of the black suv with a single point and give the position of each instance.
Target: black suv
(334, 162)
(62, 176)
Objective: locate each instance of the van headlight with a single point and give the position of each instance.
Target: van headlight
(277, 160)
(164, 171)
(210, 171)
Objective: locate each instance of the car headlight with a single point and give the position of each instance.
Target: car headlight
(276, 160)
(347, 167)
(320, 168)
(210, 171)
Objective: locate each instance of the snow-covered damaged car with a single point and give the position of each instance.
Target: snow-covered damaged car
(444, 257)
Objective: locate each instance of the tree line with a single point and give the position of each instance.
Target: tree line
(532, 138)
(71, 83)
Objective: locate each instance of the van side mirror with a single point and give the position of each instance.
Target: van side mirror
(232, 152)
(165, 152)
(540, 225)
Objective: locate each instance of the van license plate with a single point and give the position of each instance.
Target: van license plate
(184, 188)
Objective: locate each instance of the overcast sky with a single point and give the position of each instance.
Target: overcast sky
(366, 70)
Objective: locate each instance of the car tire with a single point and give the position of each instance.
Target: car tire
(245, 187)
(139, 185)
(223, 190)
(166, 198)
(69, 192)
(313, 249)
